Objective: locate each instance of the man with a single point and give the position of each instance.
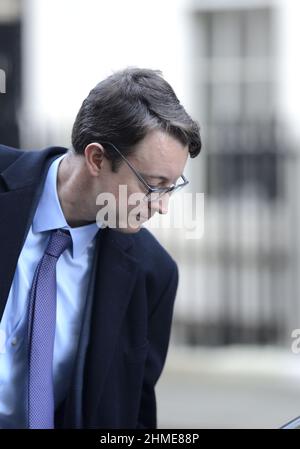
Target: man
(86, 309)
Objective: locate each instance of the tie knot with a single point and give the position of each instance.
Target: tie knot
(59, 241)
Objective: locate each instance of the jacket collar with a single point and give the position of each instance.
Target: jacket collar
(27, 169)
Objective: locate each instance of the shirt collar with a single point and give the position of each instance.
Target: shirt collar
(49, 214)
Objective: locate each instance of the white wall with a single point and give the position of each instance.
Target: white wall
(69, 46)
(288, 21)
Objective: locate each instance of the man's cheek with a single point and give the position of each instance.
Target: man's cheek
(136, 202)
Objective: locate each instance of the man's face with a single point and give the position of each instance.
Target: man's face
(160, 159)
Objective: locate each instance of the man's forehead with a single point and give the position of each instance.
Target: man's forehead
(158, 169)
(160, 164)
(160, 147)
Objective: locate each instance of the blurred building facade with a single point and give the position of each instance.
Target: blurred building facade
(242, 279)
(10, 65)
(235, 66)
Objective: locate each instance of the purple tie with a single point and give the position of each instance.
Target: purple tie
(41, 333)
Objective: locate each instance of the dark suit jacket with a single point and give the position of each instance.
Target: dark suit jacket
(126, 326)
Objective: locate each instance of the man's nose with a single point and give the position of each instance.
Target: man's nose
(161, 205)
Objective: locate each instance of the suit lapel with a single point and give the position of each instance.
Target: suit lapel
(23, 182)
(115, 278)
(15, 207)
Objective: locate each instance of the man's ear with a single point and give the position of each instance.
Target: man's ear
(94, 155)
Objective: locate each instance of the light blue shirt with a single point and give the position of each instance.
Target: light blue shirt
(73, 270)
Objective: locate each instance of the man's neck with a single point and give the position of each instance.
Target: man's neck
(71, 191)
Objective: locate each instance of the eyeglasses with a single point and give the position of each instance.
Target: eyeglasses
(153, 193)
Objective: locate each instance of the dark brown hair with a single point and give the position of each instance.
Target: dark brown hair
(124, 107)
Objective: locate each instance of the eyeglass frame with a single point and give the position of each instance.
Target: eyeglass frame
(161, 190)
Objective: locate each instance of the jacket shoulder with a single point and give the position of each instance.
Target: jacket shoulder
(8, 155)
(31, 164)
